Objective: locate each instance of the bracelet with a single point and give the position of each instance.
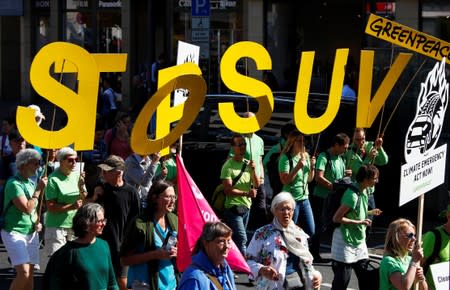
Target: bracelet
(413, 264)
(36, 197)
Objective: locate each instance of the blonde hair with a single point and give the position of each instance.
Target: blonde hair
(392, 246)
(292, 137)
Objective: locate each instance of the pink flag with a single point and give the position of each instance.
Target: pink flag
(193, 212)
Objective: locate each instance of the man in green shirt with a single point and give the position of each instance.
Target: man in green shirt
(239, 192)
(365, 152)
(254, 151)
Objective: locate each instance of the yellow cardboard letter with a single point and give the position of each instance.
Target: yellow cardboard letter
(79, 106)
(165, 114)
(197, 91)
(367, 110)
(247, 86)
(314, 125)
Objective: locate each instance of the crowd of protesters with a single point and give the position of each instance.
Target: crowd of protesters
(108, 225)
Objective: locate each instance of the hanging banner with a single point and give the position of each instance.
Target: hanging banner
(425, 164)
(407, 37)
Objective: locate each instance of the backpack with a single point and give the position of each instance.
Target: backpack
(334, 200)
(218, 197)
(335, 196)
(273, 172)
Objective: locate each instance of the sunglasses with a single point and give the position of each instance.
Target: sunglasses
(410, 236)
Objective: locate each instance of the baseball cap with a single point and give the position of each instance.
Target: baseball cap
(112, 162)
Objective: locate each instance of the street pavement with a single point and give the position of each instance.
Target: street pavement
(375, 243)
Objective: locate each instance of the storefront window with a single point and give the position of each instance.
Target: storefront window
(213, 33)
(43, 35)
(79, 29)
(94, 24)
(110, 32)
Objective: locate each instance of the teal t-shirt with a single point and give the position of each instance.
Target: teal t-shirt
(15, 219)
(299, 185)
(390, 265)
(331, 173)
(355, 234)
(63, 190)
(230, 170)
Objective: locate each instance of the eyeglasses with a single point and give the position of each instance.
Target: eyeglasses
(410, 236)
(170, 197)
(103, 221)
(284, 209)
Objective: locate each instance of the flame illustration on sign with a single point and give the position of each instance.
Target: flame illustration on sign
(424, 132)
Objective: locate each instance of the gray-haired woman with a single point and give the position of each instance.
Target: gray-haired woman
(209, 267)
(278, 253)
(19, 232)
(84, 263)
(63, 200)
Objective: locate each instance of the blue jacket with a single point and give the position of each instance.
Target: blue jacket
(194, 277)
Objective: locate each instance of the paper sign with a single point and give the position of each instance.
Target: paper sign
(441, 275)
(186, 53)
(409, 38)
(422, 174)
(425, 165)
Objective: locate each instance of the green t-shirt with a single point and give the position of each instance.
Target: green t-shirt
(230, 170)
(444, 253)
(15, 219)
(171, 169)
(388, 266)
(355, 159)
(274, 149)
(86, 266)
(299, 185)
(63, 190)
(355, 234)
(255, 146)
(331, 173)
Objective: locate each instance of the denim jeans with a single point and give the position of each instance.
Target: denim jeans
(304, 211)
(238, 223)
